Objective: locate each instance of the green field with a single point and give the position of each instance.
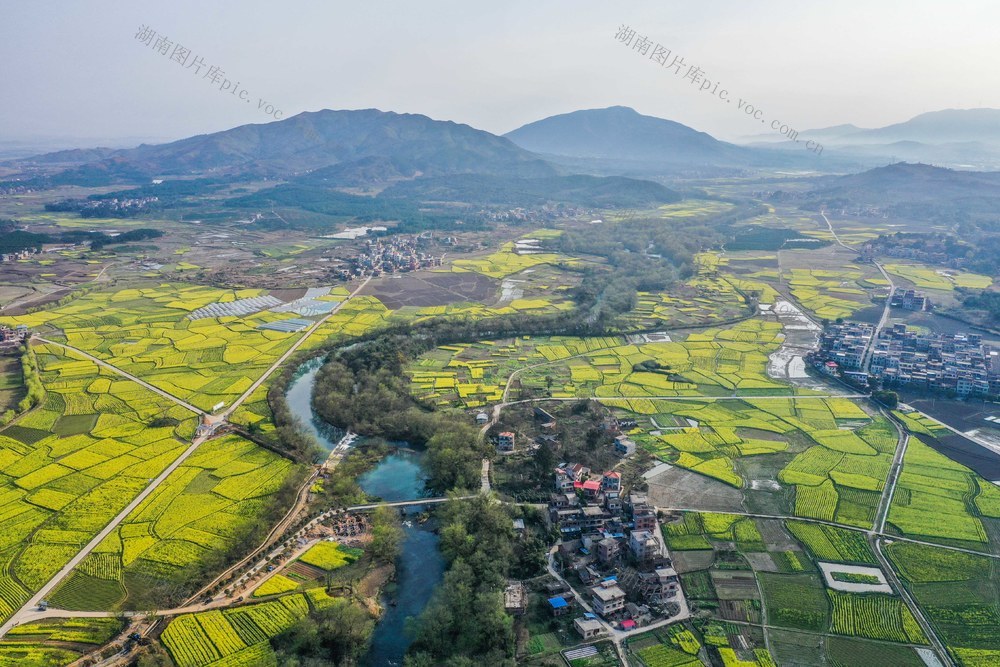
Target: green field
(829, 294)
(506, 262)
(205, 506)
(926, 277)
(874, 616)
(795, 601)
(70, 466)
(714, 361)
(705, 299)
(56, 642)
(146, 332)
(329, 556)
(937, 498)
(959, 594)
(233, 637)
(827, 543)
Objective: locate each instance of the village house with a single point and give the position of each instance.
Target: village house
(591, 489)
(564, 481)
(547, 420)
(563, 500)
(656, 584)
(594, 518)
(639, 613)
(505, 442)
(608, 550)
(588, 628)
(624, 446)
(613, 502)
(515, 598)
(607, 598)
(643, 545)
(560, 606)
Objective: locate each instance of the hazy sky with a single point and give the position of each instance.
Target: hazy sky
(75, 69)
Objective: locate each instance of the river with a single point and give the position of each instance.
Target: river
(398, 476)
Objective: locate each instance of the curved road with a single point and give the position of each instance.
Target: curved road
(866, 357)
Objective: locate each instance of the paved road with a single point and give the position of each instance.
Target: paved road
(32, 604)
(928, 629)
(277, 530)
(295, 346)
(866, 357)
(882, 513)
(124, 374)
(876, 536)
(484, 482)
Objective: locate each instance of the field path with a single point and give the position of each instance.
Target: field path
(124, 374)
(30, 607)
(866, 357)
(32, 603)
(882, 512)
(288, 353)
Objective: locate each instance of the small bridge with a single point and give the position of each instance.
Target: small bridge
(406, 503)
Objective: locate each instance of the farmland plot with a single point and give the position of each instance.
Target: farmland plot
(71, 465)
(204, 506)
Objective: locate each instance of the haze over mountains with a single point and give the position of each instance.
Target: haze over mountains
(621, 139)
(565, 158)
(385, 145)
(370, 147)
(951, 137)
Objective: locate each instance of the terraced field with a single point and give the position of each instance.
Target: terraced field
(828, 294)
(703, 300)
(72, 464)
(56, 641)
(713, 361)
(205, 506)
(147, 332)
(233, 637)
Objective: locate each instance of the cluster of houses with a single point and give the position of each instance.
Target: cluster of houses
(395, 254)
(900, 357)
(13, 337)
(613, 544)
(20, 254)
(115, 207)
(958, 363)
(842, 351)
(923, 248)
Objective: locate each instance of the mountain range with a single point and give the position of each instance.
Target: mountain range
(964, 138)
(372, 150)
(367, 145)
(621, 140)
(918, 192)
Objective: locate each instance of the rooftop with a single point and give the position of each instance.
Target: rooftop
(608, 593)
